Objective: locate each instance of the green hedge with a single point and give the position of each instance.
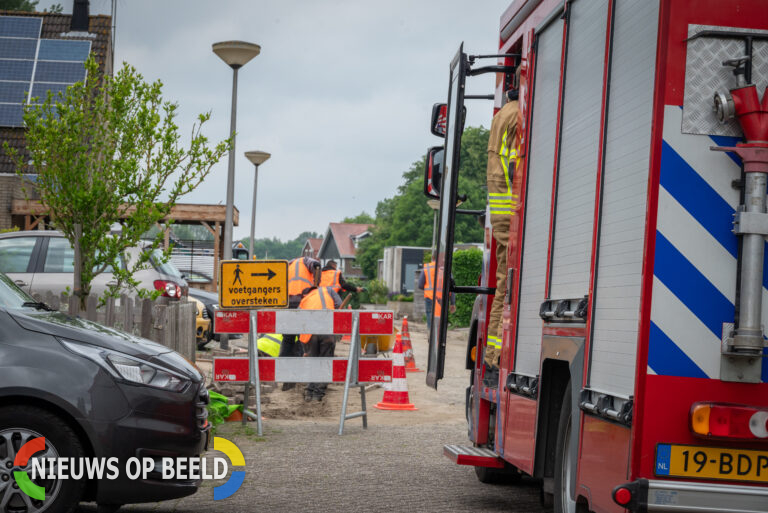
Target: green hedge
(467, 265)
(375, 292)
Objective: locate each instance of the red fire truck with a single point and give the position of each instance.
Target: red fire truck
(633, 370)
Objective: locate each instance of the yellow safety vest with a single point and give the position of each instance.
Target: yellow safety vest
(270, 343)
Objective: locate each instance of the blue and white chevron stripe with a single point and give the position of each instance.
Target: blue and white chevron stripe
(694, 282)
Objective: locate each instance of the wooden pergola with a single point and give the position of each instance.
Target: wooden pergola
(210, 216)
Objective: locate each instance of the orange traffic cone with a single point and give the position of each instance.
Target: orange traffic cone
(410, 361)
(396, 397)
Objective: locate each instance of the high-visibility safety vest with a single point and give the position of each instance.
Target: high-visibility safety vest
(318, 299)
(270, 343)
(331, 278)
(429, 280)
(505, 203)
(299, 277)
(437, 305)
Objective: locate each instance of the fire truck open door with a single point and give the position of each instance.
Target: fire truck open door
(443, 254)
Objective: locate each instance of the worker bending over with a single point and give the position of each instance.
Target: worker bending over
(331, 277)
(303, 274)
(502, 156)
(320, 298)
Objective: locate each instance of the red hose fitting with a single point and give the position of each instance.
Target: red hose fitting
(752, 116)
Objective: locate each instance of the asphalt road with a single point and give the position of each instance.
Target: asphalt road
(302, 465)
(305, 466)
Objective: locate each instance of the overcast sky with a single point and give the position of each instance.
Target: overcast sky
(340, 96)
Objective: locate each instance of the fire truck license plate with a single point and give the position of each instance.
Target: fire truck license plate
(711, 463)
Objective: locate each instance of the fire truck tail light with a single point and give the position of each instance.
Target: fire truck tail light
(729, 421)
(622, 496)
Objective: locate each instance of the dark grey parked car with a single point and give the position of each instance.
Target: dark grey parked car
(92, 391)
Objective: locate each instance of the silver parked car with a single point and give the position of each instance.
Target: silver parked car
(39, 261)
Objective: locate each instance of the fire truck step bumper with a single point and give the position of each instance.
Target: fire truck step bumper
(679, 496)
(474, 456)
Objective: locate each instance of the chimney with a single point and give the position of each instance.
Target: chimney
(80, 16)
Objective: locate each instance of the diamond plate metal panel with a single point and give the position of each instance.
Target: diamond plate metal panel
(705, 74)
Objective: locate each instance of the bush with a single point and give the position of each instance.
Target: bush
(467, 266)
(375, 292)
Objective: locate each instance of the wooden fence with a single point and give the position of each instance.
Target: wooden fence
(170, 323)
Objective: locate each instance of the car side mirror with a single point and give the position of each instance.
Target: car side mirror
(433, 172)
(439, 118)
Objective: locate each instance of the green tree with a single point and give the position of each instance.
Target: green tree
(19, 5)
(407, 220)
(276, 249)
(361, 218)
(108, 151)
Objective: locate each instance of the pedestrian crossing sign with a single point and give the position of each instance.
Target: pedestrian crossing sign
(250, 284)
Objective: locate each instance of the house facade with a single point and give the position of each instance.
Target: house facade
(48, 53)
(340, 244)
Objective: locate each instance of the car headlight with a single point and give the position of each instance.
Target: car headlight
(128, 368)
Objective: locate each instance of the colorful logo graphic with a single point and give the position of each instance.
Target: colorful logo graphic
(134, 468)
(235, 481)
(21, 476)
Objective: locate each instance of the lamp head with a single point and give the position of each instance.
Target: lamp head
(236, 53)
(257, 157)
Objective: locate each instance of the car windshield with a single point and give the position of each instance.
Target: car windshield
(164, 267)
(12, 296)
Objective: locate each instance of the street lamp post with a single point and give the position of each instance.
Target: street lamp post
(257, 158)
(236, 54)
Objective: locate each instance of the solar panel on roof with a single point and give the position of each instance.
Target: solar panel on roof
(40, 90)
(13, 92)
(59, 71)
(63, 50)
(16, 70)
(57, 63)
(20, 26)
(10, 114)
(15, 48)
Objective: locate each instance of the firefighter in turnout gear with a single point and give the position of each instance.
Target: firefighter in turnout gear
(320, 298)
(502, 156)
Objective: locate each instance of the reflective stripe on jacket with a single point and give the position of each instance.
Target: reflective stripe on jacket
(320, 298)
(299, 277)
(270, 343)
(505, 202)
(331, 278)
(429, 280)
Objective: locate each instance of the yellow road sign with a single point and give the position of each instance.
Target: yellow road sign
(249, 284)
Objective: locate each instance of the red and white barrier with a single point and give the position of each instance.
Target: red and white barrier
(351, 371)
(301, 370)
(317, 322)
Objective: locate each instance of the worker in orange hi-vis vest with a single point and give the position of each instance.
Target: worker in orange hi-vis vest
(427, 283)
(303, 274)
(331, 277)
(432, 286)
(320, 298)
(502, 156)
